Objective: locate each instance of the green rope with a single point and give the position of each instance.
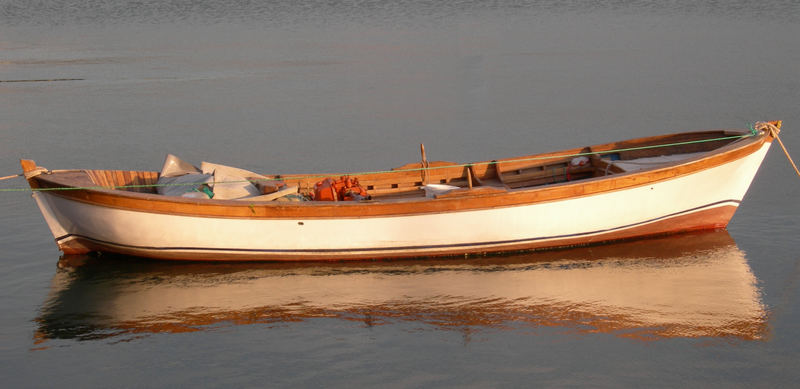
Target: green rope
(753, 132)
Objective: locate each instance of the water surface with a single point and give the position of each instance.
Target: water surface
(309, 86)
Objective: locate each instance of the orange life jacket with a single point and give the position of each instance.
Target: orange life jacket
(343, 189)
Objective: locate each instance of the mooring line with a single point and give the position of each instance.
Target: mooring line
(787, 155)
(774, 128)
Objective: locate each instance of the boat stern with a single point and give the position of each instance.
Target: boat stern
(66, 242)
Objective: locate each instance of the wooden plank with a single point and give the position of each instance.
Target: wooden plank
(378, 192)
(127, 179)
(475, 191)
(499, 172)
(424, 164)
(533, 173)
(380, 196)
(147, 178)
(548, 171)
(97, 177)
(551, 180)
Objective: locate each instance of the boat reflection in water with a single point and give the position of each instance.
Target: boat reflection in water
(691, 285)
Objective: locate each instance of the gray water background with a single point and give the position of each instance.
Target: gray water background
(328, 86)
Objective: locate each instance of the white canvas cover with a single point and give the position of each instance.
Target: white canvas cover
(187, 185)
(174, 167)
(180, 178)
(231, 183)
(431, 190)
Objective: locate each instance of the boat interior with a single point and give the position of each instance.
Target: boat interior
(410, 181)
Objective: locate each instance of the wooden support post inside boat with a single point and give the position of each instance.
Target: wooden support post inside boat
(499, 172)
(424, 164)
(469, 176)
(477, 181)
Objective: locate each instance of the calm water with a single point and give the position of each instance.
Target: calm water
(299, 86)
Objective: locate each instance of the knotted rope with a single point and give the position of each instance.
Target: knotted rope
(774, 128)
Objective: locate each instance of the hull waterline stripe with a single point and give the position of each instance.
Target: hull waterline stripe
(378, 250)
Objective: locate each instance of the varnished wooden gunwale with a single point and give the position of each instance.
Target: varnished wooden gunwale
(146, 202)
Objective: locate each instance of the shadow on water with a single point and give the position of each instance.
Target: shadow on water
(695, 285)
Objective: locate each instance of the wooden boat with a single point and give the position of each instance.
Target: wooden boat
(588, 195)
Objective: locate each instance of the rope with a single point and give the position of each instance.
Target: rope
(774, 128)
(280, 178)
(11, 176)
